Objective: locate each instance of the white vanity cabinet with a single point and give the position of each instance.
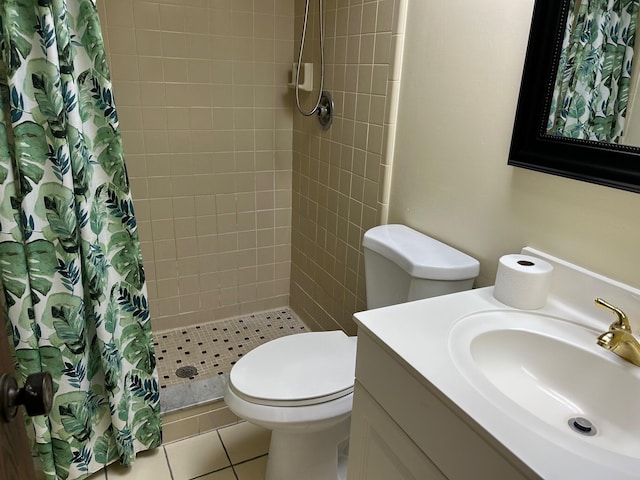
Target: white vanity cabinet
(403, 428)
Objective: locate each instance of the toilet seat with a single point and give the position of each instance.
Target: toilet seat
(303, 369)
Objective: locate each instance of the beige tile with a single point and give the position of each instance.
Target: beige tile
(216, 419)
(385, 15)
(121, 40)
(188, 69)
(130, 119)
(242, 23)
(379, 80)
(120, 13)
(155, 142)
(226, 474)
(253, 470)
(369, 15)
(383, 48)
(150, 69)
(172, 18)
(174, 44)
(194, 411)
(189, 302)
(168, 306)
(245, 441)
(127, 93)
(150, 465)
(124, 67)
(146, 15)
(197, 19)
(163, 229)
(196, 456)
(151, 94)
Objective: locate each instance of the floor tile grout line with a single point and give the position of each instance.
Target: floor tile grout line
(250, 459)
(231, 464)
(216, 471)
(226, 452)
(166, 457)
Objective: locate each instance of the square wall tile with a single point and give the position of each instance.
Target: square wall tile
(338, 185)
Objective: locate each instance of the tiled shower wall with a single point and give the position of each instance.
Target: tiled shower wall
(206, 119)
(341, 176)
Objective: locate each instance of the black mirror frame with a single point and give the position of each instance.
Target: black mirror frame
(612, 165)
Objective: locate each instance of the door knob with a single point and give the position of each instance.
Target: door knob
(36, 395)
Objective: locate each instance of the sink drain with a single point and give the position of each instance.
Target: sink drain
(187, 372)
(582, 426)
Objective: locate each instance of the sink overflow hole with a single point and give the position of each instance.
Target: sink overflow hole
(582, 426)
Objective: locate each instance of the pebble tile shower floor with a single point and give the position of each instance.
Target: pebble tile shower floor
(208, 350)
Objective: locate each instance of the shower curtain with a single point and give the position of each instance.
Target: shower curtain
(591, 91)
(70, 264)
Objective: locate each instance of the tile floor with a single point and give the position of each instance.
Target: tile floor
(211, 349)
(237, 452)
(194, 362)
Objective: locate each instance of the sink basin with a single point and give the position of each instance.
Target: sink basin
(545, 371)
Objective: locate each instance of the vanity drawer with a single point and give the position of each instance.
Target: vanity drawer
(380, 450)
(459, 447)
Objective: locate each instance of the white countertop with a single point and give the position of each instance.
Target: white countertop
(418, 333)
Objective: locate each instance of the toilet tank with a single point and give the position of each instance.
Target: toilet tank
(402, 265)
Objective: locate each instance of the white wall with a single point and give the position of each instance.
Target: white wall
(460, 82)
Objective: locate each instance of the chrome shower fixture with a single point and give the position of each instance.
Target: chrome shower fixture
(324, 104)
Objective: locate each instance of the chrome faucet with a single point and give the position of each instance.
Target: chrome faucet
(619, 338)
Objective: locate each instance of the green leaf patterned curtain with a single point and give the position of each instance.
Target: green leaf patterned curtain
(70, 263)
(592, 85)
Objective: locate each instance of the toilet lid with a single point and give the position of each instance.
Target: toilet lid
(419, 255)
(301, 369)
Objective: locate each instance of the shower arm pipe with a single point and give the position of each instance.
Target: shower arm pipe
(302, 41)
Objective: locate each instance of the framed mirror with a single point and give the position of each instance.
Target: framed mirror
(601, 162)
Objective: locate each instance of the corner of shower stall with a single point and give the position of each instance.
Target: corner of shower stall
(194, 364)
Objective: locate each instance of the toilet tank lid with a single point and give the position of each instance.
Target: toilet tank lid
(419, 255)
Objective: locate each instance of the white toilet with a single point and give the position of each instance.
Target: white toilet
(301, 386)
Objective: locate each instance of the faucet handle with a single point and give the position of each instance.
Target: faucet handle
(622, 323)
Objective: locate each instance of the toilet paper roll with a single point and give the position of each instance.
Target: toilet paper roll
(523, 281)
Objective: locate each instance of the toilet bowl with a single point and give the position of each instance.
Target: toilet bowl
(301, 386)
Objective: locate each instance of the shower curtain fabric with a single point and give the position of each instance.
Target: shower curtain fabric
(591, 91)
(70, 263)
